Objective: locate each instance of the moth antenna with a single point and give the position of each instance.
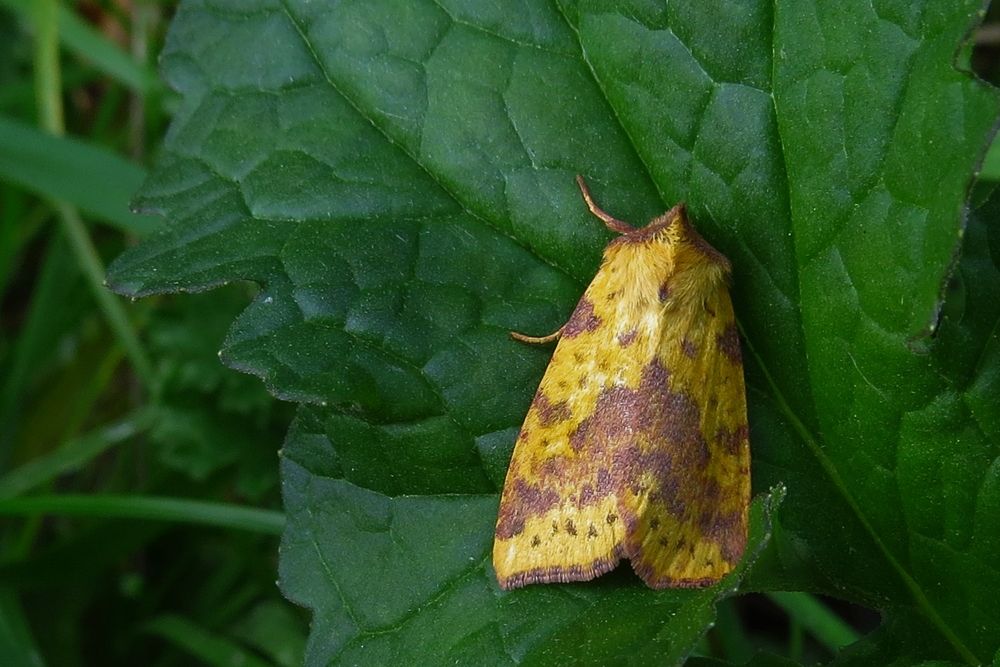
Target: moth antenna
(537, 340)
(612, 223)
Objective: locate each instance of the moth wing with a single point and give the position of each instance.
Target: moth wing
(545, 535)
(559, 517)
(635, 445)
(694, 494)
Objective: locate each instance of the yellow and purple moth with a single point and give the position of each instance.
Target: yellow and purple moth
(636, 443)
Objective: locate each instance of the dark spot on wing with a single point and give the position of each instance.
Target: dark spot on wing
(730, 441)
(729, 344)
(583, 319)
(627, 338)
(548, 412)
(728, 531)
(522, 501)
(655, 433)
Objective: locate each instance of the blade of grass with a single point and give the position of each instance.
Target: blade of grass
(104, 364)
(17, 97)
(56, 307)
(48, 88)
(94, 48)
(72, 455)
(114, 313)
(94, 550)
(816, 618)
(96, 180)
(64, 392)
(795, 639)
(18, 227)
(56, 415)
(209, 647)
(143, 15)
(17, 646)
(728, 637)
(148, 508)
(51, 118)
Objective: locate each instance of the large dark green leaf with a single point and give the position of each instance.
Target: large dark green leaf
(399, 178)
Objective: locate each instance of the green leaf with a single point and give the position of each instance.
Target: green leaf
(902, 636)
(399, 179)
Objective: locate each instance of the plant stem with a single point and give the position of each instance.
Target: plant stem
(48, 90)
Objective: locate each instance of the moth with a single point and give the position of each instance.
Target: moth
(636, 443)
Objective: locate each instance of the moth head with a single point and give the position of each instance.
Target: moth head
(672, 236)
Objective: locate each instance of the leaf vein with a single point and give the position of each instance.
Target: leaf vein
(433, 176)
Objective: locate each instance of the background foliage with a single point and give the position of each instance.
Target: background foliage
(395, 181)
